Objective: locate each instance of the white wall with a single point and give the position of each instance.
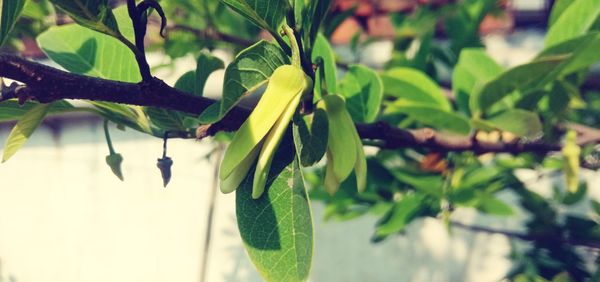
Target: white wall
(65, 218)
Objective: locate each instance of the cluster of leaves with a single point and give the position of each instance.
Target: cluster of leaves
(490, 102)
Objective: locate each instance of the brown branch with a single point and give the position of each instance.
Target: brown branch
(46, 84)
(529, 237)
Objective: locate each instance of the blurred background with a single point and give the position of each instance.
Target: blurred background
(65, 218)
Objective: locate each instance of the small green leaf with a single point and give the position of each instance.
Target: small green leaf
(414, 85)
(402, 213)
(363, 90)
(207, 64)
(93, 14)
(9, 13)
(575, 21)
(491, 205)
(310, 137)
(250, 70)
(519, 122)
(266, 14)
(432, 116)
(23, 130)
(277, 228)
(322, 49)
(11, 110)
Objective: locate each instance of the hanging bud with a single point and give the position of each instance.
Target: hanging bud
(114, 161)
(165, 164)
(571, 152)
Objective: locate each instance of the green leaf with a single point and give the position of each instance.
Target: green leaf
(575, 21)
(363, 90)
(403, 212)
(250, 70)
(317, 10)
(328, 69)
(581, 52)
(93, 14)
(99, 55)
(519, 122)
(524, 77)
(11, 110)
(558, 8)
(207, 64)
(90, 53)
(10, 10)
(310, 137)
(473, 70)
(432, 116)
(267, 14)
(23, 130)
(413, 85)
(277, 227)
(491, 205)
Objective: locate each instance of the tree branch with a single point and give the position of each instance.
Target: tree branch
(46, 84)
(529, 237)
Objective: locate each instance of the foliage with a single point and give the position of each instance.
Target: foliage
(274, 167)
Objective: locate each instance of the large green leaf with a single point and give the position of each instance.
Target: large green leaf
(94, 14)
(250, 70)
(277, 228)
(328, 70)
(363, 90)
(90, 53)
(574, 21)
(267, 14)
(524, 77)
(432, 116)
(415, 86)
(23, 130)
(9, 12)
(519, 122)
(99, 55)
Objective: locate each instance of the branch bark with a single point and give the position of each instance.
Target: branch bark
(46, 84)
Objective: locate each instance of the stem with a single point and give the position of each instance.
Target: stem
(111, 149)
(296, 60)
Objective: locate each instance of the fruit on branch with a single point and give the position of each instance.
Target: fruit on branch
(261, 133)
(344, 147)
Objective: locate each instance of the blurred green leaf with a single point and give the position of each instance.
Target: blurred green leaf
(23, 130)
(207, 64)
(328, 69)
(9, 13)
(473, 70)
(574, 21)
(93, 14)
(519, 122)
(416, 86)
(403, 213)
(524, 77)
(267, 14)
(363, 90)
(491, 205)
(432, 116)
